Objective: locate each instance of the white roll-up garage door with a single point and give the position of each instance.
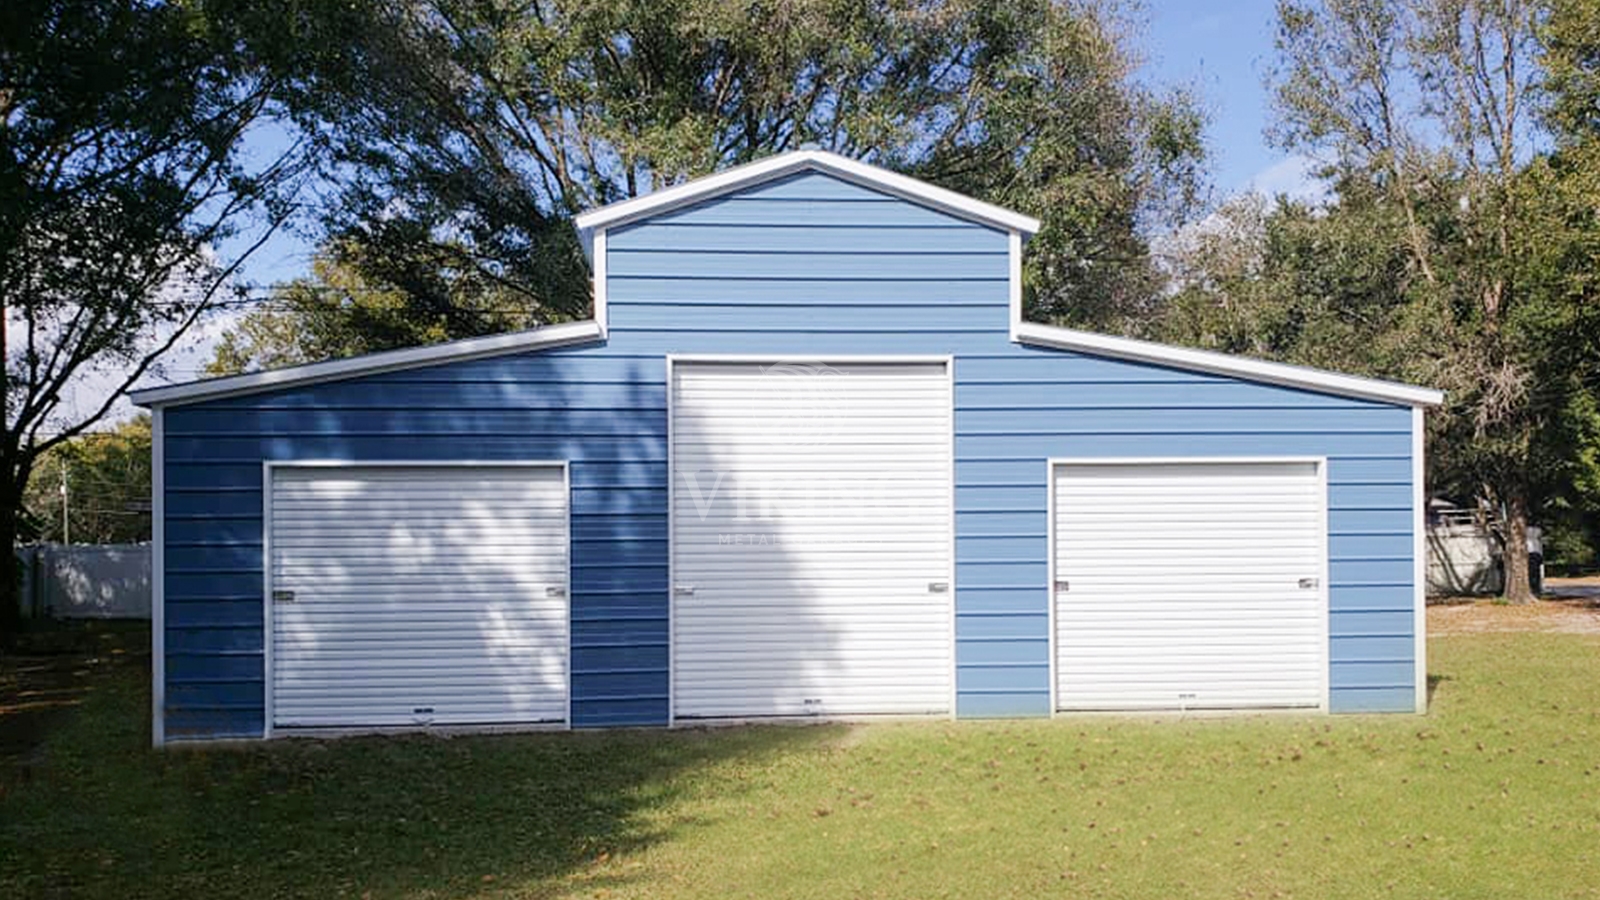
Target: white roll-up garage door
(418, 595)
(1190, 585)
(811, 539)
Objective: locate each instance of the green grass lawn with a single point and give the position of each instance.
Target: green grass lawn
(1495, 794)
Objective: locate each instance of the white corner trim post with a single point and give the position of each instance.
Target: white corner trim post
(158, 578)
(602, 318)
(1419, 553)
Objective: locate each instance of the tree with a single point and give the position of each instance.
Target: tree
(464, 134)
(120, 174)
(107, 476)
(1425, 108)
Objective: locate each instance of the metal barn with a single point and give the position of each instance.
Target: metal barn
(807, 459)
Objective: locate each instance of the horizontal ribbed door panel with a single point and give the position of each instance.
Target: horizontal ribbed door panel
(811, 539)
(1189, 585)
(419, 595)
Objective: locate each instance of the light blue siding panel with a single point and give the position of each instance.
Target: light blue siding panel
(1022, 601)
(999, 472)
(1182, 420)
(215, 640)
(1369, 546)
(972, 523)
(1171, 392)
(817, 340)
(627, 295)
(1034, 652)
(1370, 623)
(1371, 598)
(1386, 470)
(1013, 704)
(979, 549)
(835, 238)
(1004, 679)
(792, 265)
(1033, 498)
(973, 626)
(1025, 573)
(1370, 521)
(965, 316)
(539, 391)
(1389, 673)
(1371, 572)
(1370, 496)
(814, 186)
(1374, 700)
(823, 213)
(1264, 442)
(1372, 649)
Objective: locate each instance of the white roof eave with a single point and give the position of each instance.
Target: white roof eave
(543, 338)
(773, 167)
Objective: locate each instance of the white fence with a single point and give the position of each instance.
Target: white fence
(86, 581)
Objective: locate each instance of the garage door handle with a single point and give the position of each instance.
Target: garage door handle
(938, 587)
(555, 591)
(1308, 583)
(684, 590)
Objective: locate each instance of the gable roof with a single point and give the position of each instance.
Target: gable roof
(1210, 362)
(784, 164)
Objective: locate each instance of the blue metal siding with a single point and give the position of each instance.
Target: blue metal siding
(605, 413)
(807, 267)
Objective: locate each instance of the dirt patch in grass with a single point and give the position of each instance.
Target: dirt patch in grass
(1572, 606)
(54, 667)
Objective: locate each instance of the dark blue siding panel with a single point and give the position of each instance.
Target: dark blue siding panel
(807, 267)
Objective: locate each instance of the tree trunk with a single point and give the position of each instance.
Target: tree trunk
(10, 567)
(1517, 587)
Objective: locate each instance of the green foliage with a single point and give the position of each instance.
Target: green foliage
(463, 136)
(108, 483)
(121, 172)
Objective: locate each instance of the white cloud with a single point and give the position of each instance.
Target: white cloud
(1292, 176)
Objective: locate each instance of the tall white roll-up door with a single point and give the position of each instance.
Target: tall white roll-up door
(1190, 585)
(418, 595)
(811, 525)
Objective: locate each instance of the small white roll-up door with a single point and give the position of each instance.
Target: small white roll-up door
(811, 539)
(1189, 585)
(418, 595)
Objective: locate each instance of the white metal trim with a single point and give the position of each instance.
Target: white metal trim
(158, 579)
(672, 557)
(955, 588)
(1325, 589)
(544, 337)
(1014, 282)
(1050, 464)
(267, 629)
(1419, 555)
(269, 466)
(728, 180)
(602, 314)
(1223, 364)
